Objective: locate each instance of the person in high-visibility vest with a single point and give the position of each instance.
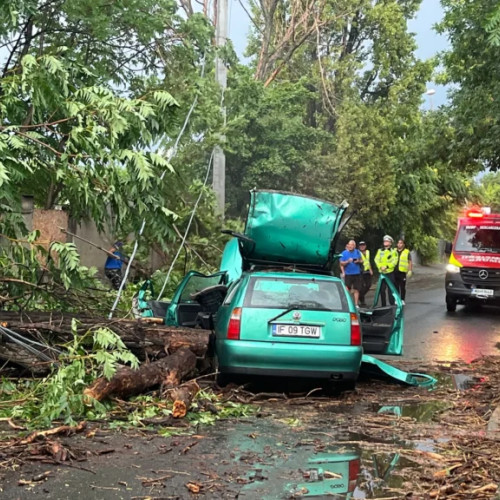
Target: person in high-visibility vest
(404, 268)
(366, 272)
(386, 260)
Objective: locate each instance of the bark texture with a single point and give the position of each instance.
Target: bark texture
(169, 372)
(183, 397)
(146, 340)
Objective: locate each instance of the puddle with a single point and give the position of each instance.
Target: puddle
(275, 461)
(420, 412)
(457, 381)
(344, 472)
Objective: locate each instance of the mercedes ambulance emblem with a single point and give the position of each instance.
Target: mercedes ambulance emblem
(297, 315)
(483, 274)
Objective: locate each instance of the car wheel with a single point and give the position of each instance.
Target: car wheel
(336, 388)
(348, 386)
(211, 346)
(222, 379)
(451, 304)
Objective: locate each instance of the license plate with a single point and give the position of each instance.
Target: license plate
(483, 292)
(312, 331)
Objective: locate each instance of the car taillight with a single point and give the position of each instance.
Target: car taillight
(355, 330)
(233, 330)
(354, 467)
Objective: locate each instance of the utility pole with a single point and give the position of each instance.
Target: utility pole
(219, 160)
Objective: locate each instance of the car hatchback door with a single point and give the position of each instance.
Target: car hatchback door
(382, 325)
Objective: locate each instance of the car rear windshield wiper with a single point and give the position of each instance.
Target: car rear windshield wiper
(300, 305)
(291, 307)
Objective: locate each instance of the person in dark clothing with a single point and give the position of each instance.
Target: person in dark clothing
(366, 273)
(113, 265)
(404, 268)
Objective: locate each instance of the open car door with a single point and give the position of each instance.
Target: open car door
(197, 295)
(382, 325)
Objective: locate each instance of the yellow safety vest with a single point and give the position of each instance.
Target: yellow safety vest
(404, 260)
(365, 257)
(388, 258)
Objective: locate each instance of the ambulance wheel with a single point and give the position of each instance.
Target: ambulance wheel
(451, 304)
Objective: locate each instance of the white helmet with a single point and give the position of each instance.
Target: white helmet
(388, 238)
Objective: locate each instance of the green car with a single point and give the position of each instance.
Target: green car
(290, 324)
(275, 306)
(301, 325)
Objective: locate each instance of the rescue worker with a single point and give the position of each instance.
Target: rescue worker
(386, 260)
(113, 265)
(366, 273)
(404, 268)
(350, 261)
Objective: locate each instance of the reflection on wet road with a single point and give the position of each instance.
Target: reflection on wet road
(433, 333)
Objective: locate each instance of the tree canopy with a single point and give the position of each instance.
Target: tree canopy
(93, 95)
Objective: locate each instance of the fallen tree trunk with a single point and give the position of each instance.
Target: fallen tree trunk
(183, 397)
(144, 339)
(169, 372)
(21, 357)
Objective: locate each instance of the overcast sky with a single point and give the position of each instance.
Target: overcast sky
(429, 42)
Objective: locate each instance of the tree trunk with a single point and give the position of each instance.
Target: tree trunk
(145, 340)
(183, 397)
(126, 382)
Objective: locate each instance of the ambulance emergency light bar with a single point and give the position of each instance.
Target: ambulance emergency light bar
(478, 213)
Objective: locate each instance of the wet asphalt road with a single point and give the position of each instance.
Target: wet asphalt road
(433, 333)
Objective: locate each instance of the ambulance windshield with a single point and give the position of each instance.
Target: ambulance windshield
(478, 238)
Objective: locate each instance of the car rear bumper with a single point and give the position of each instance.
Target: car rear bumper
(291, 360)
(460, 291)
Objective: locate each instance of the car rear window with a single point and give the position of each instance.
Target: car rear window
(281, 293)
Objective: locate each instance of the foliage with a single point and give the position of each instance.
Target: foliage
(86, 118)
(430, 187)
(472, 67)
(339, 110)
(40, 276)
(492, 26)
(146, 407)
(60, 395)
(94, 93)
(488, 191)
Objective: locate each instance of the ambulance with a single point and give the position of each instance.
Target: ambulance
(473, 272)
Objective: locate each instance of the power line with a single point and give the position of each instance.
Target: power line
(188, 226)
(170, 155)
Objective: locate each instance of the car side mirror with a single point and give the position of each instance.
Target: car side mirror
(448, 248)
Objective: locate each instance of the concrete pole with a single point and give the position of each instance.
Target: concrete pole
(219, 161)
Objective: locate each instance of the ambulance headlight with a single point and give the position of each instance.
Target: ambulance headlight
(452, 268)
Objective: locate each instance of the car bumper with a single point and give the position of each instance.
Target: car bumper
(460, 291)
(341, 363)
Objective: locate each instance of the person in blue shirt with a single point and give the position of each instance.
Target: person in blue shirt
(113, 265)
(351, 261)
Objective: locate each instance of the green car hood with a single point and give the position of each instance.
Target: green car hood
(289, 228)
